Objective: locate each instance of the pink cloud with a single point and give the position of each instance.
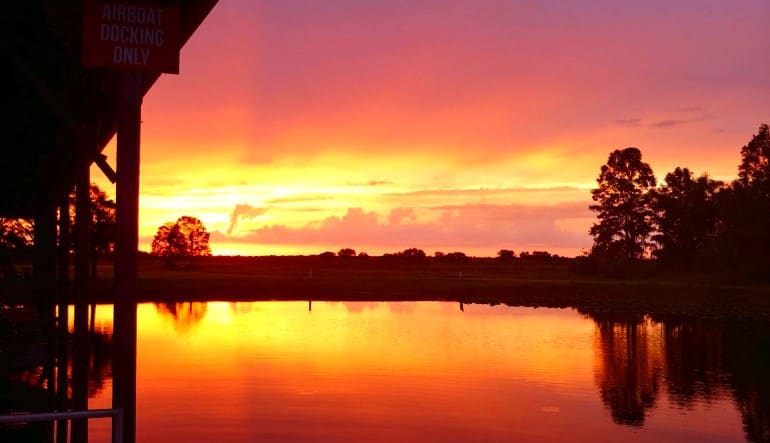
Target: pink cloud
(472, 226)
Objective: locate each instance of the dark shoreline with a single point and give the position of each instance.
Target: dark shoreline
(532, 284)
(630, 299)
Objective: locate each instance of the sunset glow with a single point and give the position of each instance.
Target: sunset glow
(396, 370)
(281, 327)
(298, 127)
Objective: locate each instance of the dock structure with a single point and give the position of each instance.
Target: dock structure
(75, 73)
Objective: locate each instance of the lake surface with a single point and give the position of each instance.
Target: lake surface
(436, 371)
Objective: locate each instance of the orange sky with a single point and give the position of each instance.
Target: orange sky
(298, 127)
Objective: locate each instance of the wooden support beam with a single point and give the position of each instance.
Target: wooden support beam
(81, 350)
(127, 214)
(101, 162)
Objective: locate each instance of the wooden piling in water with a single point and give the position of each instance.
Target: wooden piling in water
(126, 245)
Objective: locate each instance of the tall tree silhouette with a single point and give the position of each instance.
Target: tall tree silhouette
(169, 242)
(196, 236)
(187, 237)
(754, 170)
(102, 224)
(686, 216)
(625, 216)
(744, 241)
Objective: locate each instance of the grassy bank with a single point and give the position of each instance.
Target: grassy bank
(552, 283)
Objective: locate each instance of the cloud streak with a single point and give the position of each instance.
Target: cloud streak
(307, 198)
(470, 192)
(241, 211)
(629, 121)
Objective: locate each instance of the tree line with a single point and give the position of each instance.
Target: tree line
(187, 237)
(419, 254)
(17, 234)
(686, 222)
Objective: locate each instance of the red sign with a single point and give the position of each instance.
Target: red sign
(134, 36)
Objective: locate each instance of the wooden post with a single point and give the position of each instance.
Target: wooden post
(126, 245)
(44, 269)
(81, 350)
(63, 317)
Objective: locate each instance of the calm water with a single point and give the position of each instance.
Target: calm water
(429, 371)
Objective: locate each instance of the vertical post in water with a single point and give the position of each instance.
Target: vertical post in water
(81, 349)
(126, 245)
(63, 316)
(44, 269)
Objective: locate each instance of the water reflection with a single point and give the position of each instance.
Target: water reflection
(747, 364)
(100, 370)
(639, 361)
(697, 361)
(31, 382)
(631, 358)
(184, 315)
(389, 371)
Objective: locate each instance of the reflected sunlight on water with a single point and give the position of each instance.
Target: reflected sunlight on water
(413, 371)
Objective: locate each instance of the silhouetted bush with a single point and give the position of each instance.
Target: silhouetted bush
(346, 252)
(456, 256)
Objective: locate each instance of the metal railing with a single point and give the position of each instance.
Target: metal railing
(116, 414)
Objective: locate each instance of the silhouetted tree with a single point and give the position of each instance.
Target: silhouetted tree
(754, 170)
(168, 242)
(536, 255)
(412, 253)
(185, 238)
(686, 215)
(16, 236)
(744, 234)
(346, 252)
(103, 220)
(102, 224)
(15, 233)
(505, 254)
(625, 217)
(196, 235)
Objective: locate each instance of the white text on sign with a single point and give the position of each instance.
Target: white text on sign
(134, 28)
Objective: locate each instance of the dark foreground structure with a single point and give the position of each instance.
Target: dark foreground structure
(58, 115)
